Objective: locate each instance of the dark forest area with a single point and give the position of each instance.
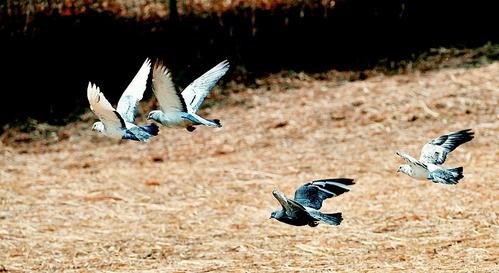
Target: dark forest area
(48, 57)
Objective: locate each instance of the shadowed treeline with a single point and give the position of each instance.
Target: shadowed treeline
(46, 64)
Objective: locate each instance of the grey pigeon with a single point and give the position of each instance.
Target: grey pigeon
(304, 209)
(178, 109)
(433, 155)
(119, 124)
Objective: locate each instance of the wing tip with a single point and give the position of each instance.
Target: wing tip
(467, 133)
(225, 65)
(160, 67)
(341, 180)
(277, 193)
(93, 92)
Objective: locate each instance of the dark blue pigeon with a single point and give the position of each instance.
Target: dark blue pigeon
(304, 209)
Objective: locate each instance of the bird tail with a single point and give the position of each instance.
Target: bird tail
(199, 120)
(151, 129)
(457, 172)
(217, 122)
(330, 218)
(446, 176)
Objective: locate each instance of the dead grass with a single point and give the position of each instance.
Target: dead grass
(200, 202)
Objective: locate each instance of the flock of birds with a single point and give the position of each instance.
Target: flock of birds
(178, 109)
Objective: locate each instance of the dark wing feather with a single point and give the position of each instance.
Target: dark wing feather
(313, 194)
(436, 150)
(122, 121)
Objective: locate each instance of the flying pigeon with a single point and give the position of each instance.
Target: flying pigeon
(304, 209)
(119, 124)
(178, 109)
(433, 156)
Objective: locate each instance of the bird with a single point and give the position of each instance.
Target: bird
(178, 109)
(119, 123)
(304, 208)
(433, 155)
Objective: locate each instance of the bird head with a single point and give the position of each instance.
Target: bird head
(273, 214)
(277, 214)
(98, 126)
(404, 169)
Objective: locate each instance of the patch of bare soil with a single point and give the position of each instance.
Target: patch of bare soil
(200, 202)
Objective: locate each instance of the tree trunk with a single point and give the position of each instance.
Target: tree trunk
(172, 5)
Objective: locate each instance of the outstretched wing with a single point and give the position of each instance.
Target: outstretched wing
(103, 109)
(196, 92)
(169, 98)
(129, 101)
(293, 209)
(435, 151)
(412, 161)
(313, 194)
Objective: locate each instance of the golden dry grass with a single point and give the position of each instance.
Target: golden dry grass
(200, 202)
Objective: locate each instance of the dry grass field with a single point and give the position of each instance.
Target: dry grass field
(200, 202)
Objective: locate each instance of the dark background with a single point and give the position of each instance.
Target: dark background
(47, 64)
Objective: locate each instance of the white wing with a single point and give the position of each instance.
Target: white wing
(412, 161)
(196, 92)
(435, 151)
(103, 109)
(168, 96)
(129, 101)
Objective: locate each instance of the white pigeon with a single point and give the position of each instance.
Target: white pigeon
(178, 109)
(433, 156)
(119, 124)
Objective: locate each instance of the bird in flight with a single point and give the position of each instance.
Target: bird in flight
(433, 155)
(119, 123)
(304, 208)
(178, 109)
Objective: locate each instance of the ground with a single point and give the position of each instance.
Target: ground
(201, 201)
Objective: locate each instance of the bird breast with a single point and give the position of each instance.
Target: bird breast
(115, 133)
(173, 119)
(419, 172)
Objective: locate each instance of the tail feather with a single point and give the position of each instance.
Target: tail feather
(217, 122)
(152, 129)
(449, 176)
(197, 120)
(330, 218)
(458, 172)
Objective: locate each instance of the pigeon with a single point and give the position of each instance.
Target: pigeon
(304, 209)
(433, 155)
(119, 124)
(178, 109)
